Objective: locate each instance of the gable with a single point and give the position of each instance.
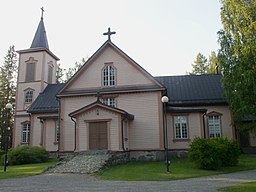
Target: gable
(128, 73)
(98, 105)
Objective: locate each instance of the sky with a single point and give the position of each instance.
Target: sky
(163, 36)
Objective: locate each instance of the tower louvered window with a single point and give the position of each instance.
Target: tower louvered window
(30, 72)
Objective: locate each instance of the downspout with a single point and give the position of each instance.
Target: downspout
(59, 103)
(30, 140)
(122, 131)
(42, 132)
(74, 133)
(204, 124)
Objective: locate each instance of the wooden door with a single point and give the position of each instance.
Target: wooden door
(98, 136)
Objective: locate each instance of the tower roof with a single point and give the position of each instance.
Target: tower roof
(40, 38)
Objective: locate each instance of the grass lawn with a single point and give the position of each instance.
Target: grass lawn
(181, 168)
(248, 187)
(24, 170)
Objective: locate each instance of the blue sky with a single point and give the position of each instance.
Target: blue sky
(163, 36)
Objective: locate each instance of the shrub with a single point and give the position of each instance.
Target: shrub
(27, 154)
(214, 153)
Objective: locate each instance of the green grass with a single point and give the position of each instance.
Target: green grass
(248, 187)
(181, 168)
(24, 170)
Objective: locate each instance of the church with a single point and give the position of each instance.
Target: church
(112, 103)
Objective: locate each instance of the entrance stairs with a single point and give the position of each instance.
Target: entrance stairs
(84, 163)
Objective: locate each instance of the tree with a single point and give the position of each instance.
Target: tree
(72, 70)
(63, 75)
(8, 74)
(200, 65)
(60, 74)
(213, 64)
(237, 56)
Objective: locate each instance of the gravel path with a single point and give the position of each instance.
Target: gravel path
(82, 182)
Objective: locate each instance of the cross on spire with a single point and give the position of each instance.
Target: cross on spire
(109, 33)
(42, 13)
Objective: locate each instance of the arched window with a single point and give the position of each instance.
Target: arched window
(109, 76)
(28, 96)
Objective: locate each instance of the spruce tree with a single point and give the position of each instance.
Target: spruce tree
(8, 76)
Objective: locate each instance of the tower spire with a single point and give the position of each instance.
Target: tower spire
(40, 38)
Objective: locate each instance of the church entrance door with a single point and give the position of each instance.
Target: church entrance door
(98, 135)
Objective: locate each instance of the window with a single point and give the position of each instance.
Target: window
(29, 96)
(50, 73)
(214, 126)
(30, 72)
(26, 133)
(109, 101)
(181, 127)
(109, 76)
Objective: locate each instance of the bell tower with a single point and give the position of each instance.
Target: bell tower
(37, 69)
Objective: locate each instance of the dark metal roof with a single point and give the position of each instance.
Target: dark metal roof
(40, 38)
(188, 90)
(46, 101)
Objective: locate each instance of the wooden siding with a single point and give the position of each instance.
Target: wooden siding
(195, 126)
(194, 130)
(144, 131)
(18, 130)
(36, 86)
(68, 105)
(50, 135)
(126, 73)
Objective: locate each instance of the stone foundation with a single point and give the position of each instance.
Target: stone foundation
(152, 155)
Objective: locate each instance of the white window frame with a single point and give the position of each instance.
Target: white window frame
(25, 133)
(179, 122)
(29, 95)
(214, 126)
(110, 101)
(109, 76)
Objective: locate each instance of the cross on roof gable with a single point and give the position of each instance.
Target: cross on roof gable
(109, 33)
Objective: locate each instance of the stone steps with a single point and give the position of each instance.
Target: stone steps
(84, 163)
